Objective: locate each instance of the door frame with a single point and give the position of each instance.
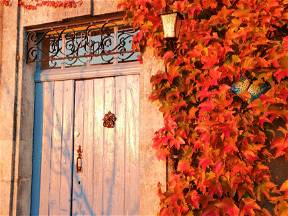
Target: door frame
(72, 73)
(89, 72)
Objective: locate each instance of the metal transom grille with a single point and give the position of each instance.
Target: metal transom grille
(104, 43)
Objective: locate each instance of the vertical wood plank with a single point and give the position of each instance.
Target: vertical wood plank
(119, 145)
(67, 146)
(55, 176)
(77, 190)
(84, 132)
(109, 136)
(132, 146)
(48, 99)
(88, 145)
(98, 146)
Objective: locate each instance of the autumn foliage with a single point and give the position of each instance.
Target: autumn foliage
(219, 143)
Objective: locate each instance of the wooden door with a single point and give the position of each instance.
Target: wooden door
(57, 148)
(108, 183)
(72, 116)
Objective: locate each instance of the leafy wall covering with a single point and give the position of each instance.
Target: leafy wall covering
(224, 100)
(224, 103)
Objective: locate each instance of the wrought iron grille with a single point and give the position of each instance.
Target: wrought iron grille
(79, 45)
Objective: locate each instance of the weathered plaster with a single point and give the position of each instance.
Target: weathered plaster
(47, 14)
(109, 6)
(1, 41)
(152, 170)
(7, 95)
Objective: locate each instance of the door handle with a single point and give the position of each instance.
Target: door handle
(79, 159)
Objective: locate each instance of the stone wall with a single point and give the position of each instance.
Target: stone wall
(1, 30)
(7, 99)
(17, 93)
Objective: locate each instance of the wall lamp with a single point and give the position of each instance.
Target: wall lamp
(171, 23)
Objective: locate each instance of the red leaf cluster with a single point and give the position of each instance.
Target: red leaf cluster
(5, 2)
(33, 4)
(219, 143)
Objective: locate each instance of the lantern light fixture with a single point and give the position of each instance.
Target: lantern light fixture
(171, 23)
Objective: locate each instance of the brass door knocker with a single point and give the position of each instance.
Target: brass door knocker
(109, 120)
(79, 160)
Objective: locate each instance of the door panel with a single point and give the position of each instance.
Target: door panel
(66, 146)
(83, 185)
(98, 145)
(48, 101)
(108, 184)
(132, 146)
(73, 114)
(56, 148)
(109, 170)
(119, 160)
(55, 157)
(78, 190)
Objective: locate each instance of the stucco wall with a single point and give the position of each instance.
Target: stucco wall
(1, 29)
(16, 156)
(7, 92)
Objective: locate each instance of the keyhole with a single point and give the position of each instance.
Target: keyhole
(78, 182)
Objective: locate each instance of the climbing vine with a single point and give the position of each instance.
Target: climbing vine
(224, 100)
(224, 103)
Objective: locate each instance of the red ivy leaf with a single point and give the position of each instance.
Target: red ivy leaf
(211, 211)
(281, 74)
(249, 206)
(168, 55)
(184, 166)
(218, 167)
(281, 145)
(204, 162)
(285, 42)
(195, 199)
(177, 142)
(284, 186)
(228, 206)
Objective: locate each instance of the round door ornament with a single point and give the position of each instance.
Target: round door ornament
(109, 120)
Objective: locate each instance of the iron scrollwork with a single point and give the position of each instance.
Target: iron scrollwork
(92, 44)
